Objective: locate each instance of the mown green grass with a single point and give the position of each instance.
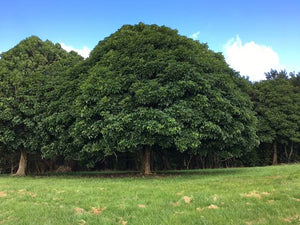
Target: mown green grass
(261, 195)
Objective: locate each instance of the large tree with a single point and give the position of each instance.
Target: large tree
(25, 74)
(277, 104)
(149, 87)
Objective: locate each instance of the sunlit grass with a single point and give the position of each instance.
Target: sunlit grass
(265, 195)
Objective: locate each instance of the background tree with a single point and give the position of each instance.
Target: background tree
(25, 71)
(295, 142)
(277, 105)
(150, 88)
(58, 115)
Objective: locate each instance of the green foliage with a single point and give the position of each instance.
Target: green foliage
(149, 86)
(277, 103)
(29, 73)
(143, 87)
(58, 115)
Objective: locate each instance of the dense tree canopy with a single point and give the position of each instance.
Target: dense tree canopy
(277, 103)
(25, 76)
(146, 98)
(150, 87)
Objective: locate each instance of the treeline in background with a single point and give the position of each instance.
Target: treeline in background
(146, 99)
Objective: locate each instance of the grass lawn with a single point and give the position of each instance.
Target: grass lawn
(260, 195)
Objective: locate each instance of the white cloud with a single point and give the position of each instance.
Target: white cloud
(251, 59)
(85, 52)
(195, 36)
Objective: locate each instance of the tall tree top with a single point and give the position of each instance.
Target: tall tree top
(152, 41)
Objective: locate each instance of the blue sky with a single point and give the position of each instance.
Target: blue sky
(253, 35)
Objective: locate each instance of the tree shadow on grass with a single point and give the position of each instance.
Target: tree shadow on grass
(137, 174)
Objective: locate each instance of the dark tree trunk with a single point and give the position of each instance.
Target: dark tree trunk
(289, 154)
(12, 166)
(146, 161)
(50, 164)
(166, 163)
(22, 164)
(37, 166)
(202, 160)
(275, 157)
(187, 162)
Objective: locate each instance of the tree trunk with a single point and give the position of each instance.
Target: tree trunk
(202, 161)
(12, 166)
(275, 158)
(146, 160)
(49, 163)
(291, 152)
(166, 163)
(286, 153)
(22, 164)
(188, 162)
